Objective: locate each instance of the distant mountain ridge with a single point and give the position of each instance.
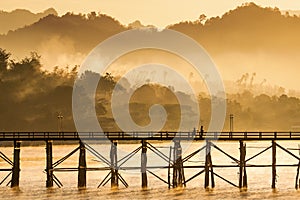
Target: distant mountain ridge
(242, 29)
(244, 40)
(246, 28)
(20, 17)
(64, 40)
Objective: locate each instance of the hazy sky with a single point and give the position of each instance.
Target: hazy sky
(156, 12)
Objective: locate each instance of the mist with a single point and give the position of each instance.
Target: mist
(35, 97)
(257, 59)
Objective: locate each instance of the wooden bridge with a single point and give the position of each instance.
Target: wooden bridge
(175, 160)
(159, 136)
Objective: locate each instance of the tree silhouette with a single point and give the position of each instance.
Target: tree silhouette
(4, 56)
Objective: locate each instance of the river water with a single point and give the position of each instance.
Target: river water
(32, 177)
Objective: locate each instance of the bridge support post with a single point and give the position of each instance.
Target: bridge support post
(297, 177)
(169, 167)
(49, 164)
(243, 174)
(208, 164)
(114, 165)
(273, 164)
(178, 170)
(82, 166)
(16, 165)
(297, 182)
(144, 164)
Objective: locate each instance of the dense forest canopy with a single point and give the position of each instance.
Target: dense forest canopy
(32, 98)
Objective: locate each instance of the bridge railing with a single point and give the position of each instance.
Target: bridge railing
(260, 135)
(164, 135)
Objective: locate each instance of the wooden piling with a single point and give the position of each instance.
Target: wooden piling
(144, 164)
(207, 163)
(245, 182)
(82, 166)
(242, 171)
(208, 168)
(16, 165)
(169, 168)
(241, 164)
(49, 164)
(174, 180)
(178, 169)
(211, 172)
(297, 177)
(114, 165)
(273, 164)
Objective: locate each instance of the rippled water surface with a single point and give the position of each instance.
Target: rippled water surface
(32, 178)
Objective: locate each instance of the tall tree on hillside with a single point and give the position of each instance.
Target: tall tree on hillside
(4, 56)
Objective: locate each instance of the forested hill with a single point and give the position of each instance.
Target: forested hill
(248, 39)
(81, 32)
(19, 18)
(246, 28)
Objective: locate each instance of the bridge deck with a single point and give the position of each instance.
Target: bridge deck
(39, 136)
